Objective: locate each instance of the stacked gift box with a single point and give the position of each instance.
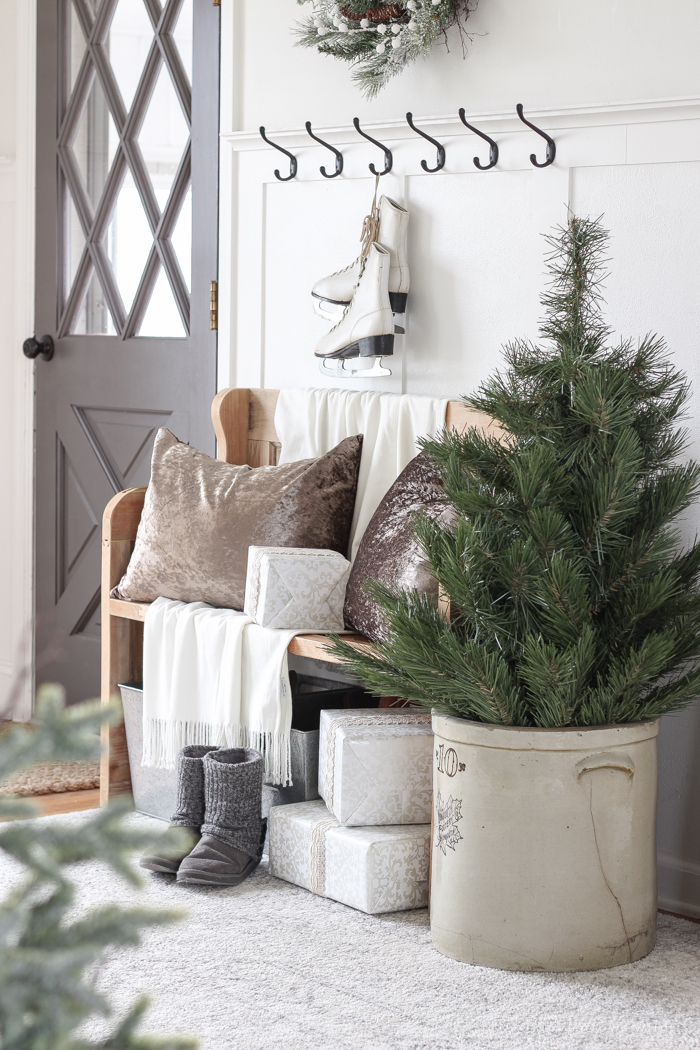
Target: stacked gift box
(366, 841)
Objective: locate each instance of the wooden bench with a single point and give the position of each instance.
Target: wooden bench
(245, 432)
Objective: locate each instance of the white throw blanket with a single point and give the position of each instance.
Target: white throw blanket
(311, 422)
(212, 676)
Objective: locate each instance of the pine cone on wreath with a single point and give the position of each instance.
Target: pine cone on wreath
(375, 14)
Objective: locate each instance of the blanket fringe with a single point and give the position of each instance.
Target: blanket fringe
(163, 739)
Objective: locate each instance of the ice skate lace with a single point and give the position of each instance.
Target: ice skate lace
(370, 234)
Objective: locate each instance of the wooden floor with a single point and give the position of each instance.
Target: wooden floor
(66, 801)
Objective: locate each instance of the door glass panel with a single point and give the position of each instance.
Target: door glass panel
(182, 239)
(94, 317)
(77, 46)
(95, 142)
(162, 318)
(128, 240)
(182, 35)
(74, 245)
(163, 136)
(127, 45)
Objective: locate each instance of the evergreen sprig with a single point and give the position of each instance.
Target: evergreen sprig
(572, 602)
(48, 948)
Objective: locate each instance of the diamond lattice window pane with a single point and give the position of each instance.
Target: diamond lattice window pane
(162, 318)
(182, 35)
(95, 142)
(163, 136)
(128, 240)
(74, 245)
(94, 317)
(127, 45)
(182, 239)
(77, 45)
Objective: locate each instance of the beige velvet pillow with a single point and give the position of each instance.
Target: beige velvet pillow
(201, 515)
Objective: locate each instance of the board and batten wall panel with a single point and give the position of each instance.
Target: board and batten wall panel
(462, 301)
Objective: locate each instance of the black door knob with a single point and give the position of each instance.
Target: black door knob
(38, 348)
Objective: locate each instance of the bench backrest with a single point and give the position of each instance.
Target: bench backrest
(244, 424)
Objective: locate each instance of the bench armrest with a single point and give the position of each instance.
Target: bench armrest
(121, 638)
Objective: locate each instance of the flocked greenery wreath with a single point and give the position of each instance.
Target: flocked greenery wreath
(381, 41)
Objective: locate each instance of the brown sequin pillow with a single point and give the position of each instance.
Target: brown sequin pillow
(201, 515)
(388, 552)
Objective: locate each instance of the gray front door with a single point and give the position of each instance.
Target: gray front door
(126, 248)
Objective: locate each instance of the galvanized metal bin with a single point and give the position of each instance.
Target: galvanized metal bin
(154, 790)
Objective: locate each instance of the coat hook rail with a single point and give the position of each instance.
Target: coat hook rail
(388, 156)
(493, 146)
(440, 149)
(292, 158)
(551, 144)
(338, 155)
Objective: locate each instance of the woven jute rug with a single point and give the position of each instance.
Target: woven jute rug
(46, 778)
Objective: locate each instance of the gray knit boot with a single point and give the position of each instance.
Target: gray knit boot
(233, 832)
(190, 807)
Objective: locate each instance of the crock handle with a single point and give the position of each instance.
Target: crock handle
(605, 760)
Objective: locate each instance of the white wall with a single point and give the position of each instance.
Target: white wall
(16, 388)
(618, 85)
(539, 52)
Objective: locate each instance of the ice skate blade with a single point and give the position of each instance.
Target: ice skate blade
(336, 369)
(329, 311)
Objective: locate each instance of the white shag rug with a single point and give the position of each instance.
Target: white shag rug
(269, 966)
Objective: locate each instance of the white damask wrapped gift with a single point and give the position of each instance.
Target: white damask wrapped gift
(296, 588)
(376, 767)
(374, 869)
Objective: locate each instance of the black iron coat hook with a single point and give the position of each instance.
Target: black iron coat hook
(388, 157)
(292, 158)
(493, 146)
(551, 144)
(440, 149)
(338, 155)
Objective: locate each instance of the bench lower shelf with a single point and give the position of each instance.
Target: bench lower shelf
(313, 646)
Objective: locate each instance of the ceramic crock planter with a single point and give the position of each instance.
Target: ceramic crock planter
(544, 845)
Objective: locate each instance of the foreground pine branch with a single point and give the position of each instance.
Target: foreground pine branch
(47, 952)
(572, 603)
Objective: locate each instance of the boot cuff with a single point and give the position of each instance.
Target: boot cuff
(233, 790)
(196, 750)
(190, 787)
(236, 756)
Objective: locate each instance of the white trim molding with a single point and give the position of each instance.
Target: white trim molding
(615, 114)
(679, 885)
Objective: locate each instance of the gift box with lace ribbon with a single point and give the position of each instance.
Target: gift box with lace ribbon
(296, 588)
(373, 869)
(376, 766)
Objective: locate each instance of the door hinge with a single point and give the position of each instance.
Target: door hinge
(217, 3)
(214, 305)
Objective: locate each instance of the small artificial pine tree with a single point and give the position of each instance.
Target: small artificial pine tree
(48, 951)
(572, 603)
